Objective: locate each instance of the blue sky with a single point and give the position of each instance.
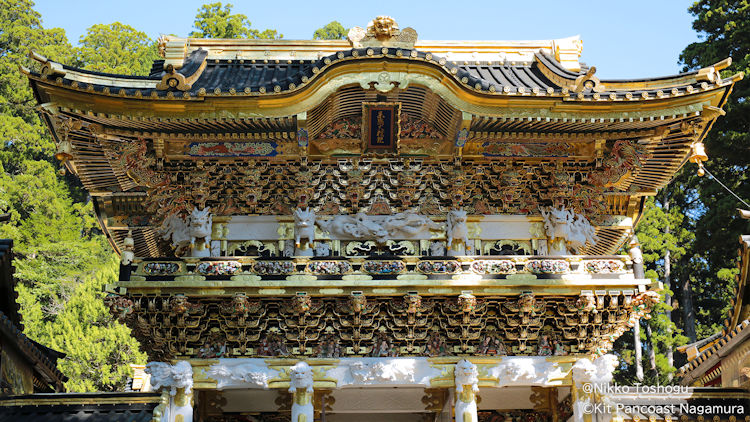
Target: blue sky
(623, 39)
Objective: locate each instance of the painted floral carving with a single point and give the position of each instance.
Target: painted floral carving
(329, 267)
(438, 267)
(547, 266)
(494, 267)
(603, 266)
(416, 128)
(218, 267)
(160, 268)
(232, 149)
(383, 267)
(274, 267)
(344, 128)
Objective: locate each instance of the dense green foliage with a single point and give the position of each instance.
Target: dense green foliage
(724, 26)
(116, 48)
(702, 220)
(215, 21)
(332, 31)
(62, 259)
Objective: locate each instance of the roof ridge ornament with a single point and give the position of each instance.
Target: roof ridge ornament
(382, 31)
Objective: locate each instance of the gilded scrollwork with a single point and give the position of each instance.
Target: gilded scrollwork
(358, 325)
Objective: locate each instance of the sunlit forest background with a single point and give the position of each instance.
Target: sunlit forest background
(689, 231)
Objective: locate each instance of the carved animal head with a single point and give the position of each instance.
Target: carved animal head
(556, 221)
(301, 377)
(240, 303)
(180, 304)
(466, 374)
(526, 302)
(586, 302)
(171, 224)
(357, 303)
(302, 303)
(304, 218)
(456, 217)
(200, 222)
(467, 302)
(413, 302)
(382, 27)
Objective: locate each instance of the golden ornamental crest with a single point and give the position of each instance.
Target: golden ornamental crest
(382, 31)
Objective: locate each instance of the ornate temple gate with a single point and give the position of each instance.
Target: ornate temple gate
(378, 228)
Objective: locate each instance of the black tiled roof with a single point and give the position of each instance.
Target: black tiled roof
(543, 75)
(267, 74)
(69, 411)
(8, 295)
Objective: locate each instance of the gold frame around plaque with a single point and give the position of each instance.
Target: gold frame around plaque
(367, 146)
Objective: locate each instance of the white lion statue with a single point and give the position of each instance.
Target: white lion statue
(565, 226)
(304, 225)
(301, 383)
(466, 374)
(581, 232)
(175, 230)
(179, 375)
(557, 222)
(456, 228)
(598, 371)
(301, 378)
(200, 226)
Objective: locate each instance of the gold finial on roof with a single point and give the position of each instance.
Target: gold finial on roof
(382, 31)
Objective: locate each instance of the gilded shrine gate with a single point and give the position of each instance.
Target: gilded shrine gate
(380, 226)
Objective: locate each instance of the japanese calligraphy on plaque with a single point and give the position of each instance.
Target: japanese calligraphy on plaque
(381, 127)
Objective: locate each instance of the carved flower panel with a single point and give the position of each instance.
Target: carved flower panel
(329, 267)
(383, 267)
(438, 267)
(494, 267)
(274, 267)
(161, 268)
(218, 267)
(604, 266)
(547, 266)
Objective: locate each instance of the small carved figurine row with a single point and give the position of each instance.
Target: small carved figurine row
(273, 345)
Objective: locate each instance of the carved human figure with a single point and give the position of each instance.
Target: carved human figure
(566, 229)
(466, 380)
(199, 226)
(304, 226)
(636, 256)
(301, 387)
(127, 251)
(581, 232)
(545, 348)
(456, 228)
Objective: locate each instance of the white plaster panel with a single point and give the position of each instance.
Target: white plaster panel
(241, 373)
(525, 371)
(383, 371)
